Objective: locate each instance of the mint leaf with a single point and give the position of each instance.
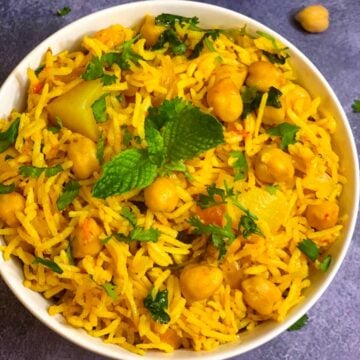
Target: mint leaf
(49, 264)
(126, 171)
(299, 324)
(99, 109)
(240, 166)
(287, 132)
(110, 289)
(309, 248)
(8, 137)
(71, 191)
(7, 189)
(35, 172)
(157, 306)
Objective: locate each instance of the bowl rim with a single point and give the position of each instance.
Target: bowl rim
(51, 321)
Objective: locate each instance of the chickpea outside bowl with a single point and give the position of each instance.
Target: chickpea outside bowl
(310, 78)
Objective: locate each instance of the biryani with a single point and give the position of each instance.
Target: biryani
(169, 186)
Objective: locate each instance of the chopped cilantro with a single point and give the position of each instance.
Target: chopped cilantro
(274, 98)
(35, 172)
(7, 189)
(276, 58)
(251, 98)
(213, 34)
(272, 189)
(94, 70)
(99, 109)
(287, 132)
(100, 148)
(299, 324)
(176, 46)
(248, 226)
(240, 165)
(54, 129)
(70, 192)
(129, 216)
(216, 196)
(110, 289)
(8, 137)
(69, 255)
(171, 19)
(309, 248)
(39, 69)
(356, 106)
(324, 265)
(220, 236)
(108, 79)
(157, 304)
(64, 11)
(49, 264)
(268, 37)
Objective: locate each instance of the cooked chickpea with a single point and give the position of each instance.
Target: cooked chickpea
(161, 195)
(274, 116)
(263, 75)
(86, 239)
(313, 18)
(225, 99)
(10, 204)
(274, 165)
(260, 294)
(171, 337)
(150, 31)
(199, 282)
(82, 152)
(235, 73)
(322, 216)
(298, 99)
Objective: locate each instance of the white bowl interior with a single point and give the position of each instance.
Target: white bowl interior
(12, 95)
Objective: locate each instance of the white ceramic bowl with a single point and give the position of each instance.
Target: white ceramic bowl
(12, 95)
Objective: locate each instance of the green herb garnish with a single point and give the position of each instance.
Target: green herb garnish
(70, 256)
(64, 11)
(356, 106)
(309, 248)
(247, 226)
(49, 264)
(213, 34)
(35, 172)
(268, 37)
(272, 189)
(110, 289)
(100, 148)
(240, 165)
(8, 137)
(299, 324)
(71, 191)
(54, 129)
(220, 236)
(216, 196)
(324, 265)
(274, 98)
(287, 132)
(127, 136)
(169, 36)
(99, 109)
(39, 69)
(276, 58)
(7, 189)
(157, 305)
(171, 19)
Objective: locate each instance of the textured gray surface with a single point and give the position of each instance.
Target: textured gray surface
(333, 332)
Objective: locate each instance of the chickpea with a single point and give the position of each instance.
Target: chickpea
(274, 116)
(260, 294)
(150, 31)
(10, 204)
(263, 75)
(161, 195)
(86, 240)
(274, 165)
(82, 152)
(235, 73)
(322, 216)
(313, 18)
(225, 99)
(298, 99)
(171, 337)
(199, 282)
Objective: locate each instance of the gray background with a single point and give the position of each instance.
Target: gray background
(334, 328)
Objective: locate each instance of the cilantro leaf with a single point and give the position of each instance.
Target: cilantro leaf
(299, 324)
(287, 132)
(220, 236)
(126, 171)
(171, 19)
(70, 255)
(216, 196)
(8, 137)
(142, 235)
(157, 305)
(108, 79)
(276, 58)
(7, 189)
(128, 215)
(71, 191)
(39, 69)
(324, 265)
(100, 148)
(110, 289)
(213, 34)
(64, 11)
(99, 109)
(309, 248)
(268, 37)
(240, 166)
(251, 98)
(274, 98)
(94, 70)
(271, 189)
(49, 264)
(356, 106)
(248, 226)
(176, 46)
(54, 129)
(35, 172)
